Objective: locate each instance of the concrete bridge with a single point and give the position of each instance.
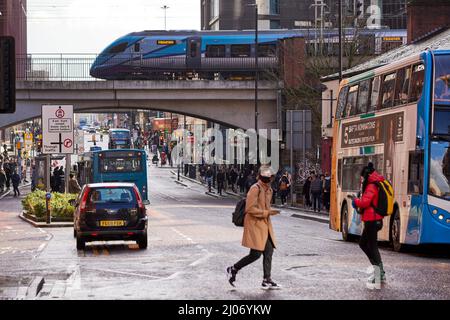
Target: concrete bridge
(230, 103)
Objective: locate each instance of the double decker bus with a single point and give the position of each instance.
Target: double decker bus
(116, 165)
(398, 117)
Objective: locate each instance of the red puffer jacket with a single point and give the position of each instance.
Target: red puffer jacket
(369, 199)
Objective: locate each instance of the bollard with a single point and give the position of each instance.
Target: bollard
(48, 196)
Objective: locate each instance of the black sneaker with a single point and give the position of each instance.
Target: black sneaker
(269, 284)
(231, 274)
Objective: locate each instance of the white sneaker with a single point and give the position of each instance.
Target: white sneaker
(268, 284)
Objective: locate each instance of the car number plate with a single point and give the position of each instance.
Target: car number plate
(112, 223)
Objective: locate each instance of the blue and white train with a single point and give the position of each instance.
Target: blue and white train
(175, 54)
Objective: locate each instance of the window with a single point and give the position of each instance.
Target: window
(352, 167)
(350, 107)
(240, 51)
(275, 24)
(375, 89)
(402, 86)
(274, 7)
(118, 48)
(110, 195)
(194, 49)
(442, 81)
(363, 96)
(267, 50)
(415, 173)
(439, 184)
(115, 165)
(388, 90)
(342, 101)
(216, 51)
(417, 78)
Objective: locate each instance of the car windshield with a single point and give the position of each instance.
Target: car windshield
(111, 195)
(440, 168)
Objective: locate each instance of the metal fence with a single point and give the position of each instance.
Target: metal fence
(76, 67)
(55, 67)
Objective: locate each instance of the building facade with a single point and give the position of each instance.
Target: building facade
(13, 22)
(301, 14)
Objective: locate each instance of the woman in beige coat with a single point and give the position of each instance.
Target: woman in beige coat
(258, 232)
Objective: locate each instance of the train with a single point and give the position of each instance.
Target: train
(209, 54)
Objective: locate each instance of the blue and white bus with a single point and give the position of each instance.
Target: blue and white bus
(118, 165)
(398, 117)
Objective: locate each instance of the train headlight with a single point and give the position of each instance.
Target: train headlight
(441, 217)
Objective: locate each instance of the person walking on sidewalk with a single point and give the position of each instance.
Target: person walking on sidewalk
(209, 177)
(2, 180)
(15, 179)
(306, 192)
(316, 192)
(373, 222)
(284, 188)
(8, 173)
(220, 180)
(241, 181)
(326, 191)
(258, 233)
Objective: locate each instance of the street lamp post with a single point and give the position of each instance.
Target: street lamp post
(165, 16)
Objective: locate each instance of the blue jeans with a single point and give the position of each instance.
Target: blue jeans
(316, 200)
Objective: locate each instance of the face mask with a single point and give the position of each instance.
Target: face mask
(265, 179)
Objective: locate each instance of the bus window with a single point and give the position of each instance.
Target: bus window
(339, 172)
(240, 51)
(363, 96)
(350, 107)
(215, 51)
(415, 173)
(417, 79)
(375, 90)
(341, 103)
(442, 80)
(402, 86)
(388, 90)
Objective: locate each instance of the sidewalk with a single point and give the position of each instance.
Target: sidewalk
(302, 213)
(11, 191)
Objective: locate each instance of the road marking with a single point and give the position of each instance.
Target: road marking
(125, 273)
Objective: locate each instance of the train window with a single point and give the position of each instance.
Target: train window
(375, 89)
(240, 51)
(216, 51)
(342, 100)
(137, 47)
(402, 86)
(418, 73)
(194, 48)
(363, 96)
(387, 90)
(267, 50)
(350, 107)
(118, 48)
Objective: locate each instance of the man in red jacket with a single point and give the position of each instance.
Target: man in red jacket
(373, 222)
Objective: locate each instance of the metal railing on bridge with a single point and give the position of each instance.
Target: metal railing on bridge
(55, 67)
(76, 67)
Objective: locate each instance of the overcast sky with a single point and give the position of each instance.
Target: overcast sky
(88, 26)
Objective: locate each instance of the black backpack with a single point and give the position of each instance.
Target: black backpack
(239, 212)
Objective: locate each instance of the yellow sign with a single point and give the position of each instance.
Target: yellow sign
(392, 38)
(166, 42)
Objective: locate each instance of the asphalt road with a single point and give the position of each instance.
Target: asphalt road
(191, 242)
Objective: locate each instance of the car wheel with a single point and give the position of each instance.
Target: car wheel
(142, 241)
(346, 236)
(81, 243)
(395, 232)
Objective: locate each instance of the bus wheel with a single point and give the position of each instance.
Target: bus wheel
(395, 232)
(346, 236)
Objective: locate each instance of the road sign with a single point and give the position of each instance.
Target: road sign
(57, 129)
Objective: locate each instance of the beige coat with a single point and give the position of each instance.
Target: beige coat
(257, 224)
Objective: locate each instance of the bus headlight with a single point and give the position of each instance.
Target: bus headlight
(448, 220)
(441, 217)
(435, 211)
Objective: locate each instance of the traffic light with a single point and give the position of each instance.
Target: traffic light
(7, 75)
(359, 8)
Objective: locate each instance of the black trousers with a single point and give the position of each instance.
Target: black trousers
(316, 201)
(255, 255)
(219, 187)
(16, 190)
(368, 242)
